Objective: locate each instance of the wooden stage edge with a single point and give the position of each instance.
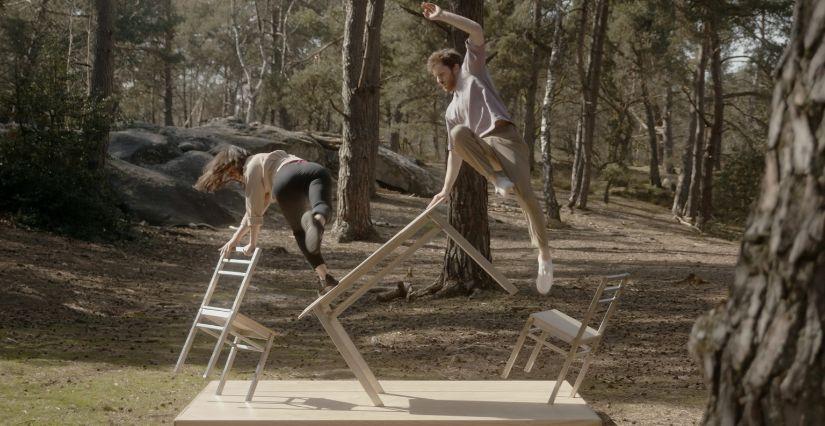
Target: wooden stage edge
(407, 402)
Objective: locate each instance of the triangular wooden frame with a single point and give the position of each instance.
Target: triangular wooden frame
(432, 223)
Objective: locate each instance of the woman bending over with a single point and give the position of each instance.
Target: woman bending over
(303, 190)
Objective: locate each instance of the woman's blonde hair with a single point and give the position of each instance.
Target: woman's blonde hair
(217, 172)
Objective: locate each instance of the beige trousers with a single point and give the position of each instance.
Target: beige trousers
(503, 150)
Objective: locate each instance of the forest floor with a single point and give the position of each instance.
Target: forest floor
(89, 332)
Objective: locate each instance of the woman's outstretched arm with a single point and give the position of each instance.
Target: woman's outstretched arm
(435, 13)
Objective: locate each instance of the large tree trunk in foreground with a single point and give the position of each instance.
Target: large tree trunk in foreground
(763, 352)
(359, 147)
(468, 206)
(103, 69)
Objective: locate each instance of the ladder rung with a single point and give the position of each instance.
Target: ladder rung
(215, 308)
(247, 347)
(609, 299)
(233, 273)
(612, 288)
(242, 262)
(210, 326)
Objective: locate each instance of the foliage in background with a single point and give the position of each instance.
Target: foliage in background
(738, 183)
(50, 144)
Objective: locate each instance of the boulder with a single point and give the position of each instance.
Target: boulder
(187, 169)
(142, 146)
(392, 170)
(400, 173)
(162, 200)
(257, 138)
(154, 168)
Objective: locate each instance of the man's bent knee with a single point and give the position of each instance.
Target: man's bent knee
(461, 134)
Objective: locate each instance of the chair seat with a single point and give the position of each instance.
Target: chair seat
(563, 326)
(241, 324)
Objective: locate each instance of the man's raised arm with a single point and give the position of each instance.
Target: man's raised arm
(435, 13)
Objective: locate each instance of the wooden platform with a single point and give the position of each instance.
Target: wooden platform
(407, 402)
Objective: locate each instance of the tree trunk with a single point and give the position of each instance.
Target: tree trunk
(706, 208)
(360, 91)
(103, 70)
(683, 187)
(529, 135)
(667, 138)
(652, 137)
(169, 83)
(590, 98)
(762, 352)
(577, 167)
(468, 206)
(552, 208)
(694, 194)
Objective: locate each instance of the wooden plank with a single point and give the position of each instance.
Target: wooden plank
(519, 344)
(422, 240)
(338, 340)
(236, 306)
(356, 355)
(370, 262)
(408, 403)
(474, 254)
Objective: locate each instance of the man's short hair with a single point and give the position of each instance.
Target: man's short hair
(446, 57)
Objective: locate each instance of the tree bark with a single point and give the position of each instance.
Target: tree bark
(590, 99)
(667, 138)
(706, 207)
(468, 205)
(551, 205)
(103, 71)
(762, 353)
(683, 187)
(360, 91)
(529, 135)
(652, 137)
(694, 194)
(169, 83)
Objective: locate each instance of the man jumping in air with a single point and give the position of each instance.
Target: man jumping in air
(481, 132)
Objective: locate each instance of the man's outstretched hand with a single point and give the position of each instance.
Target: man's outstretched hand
(431, 11)
(441, 196)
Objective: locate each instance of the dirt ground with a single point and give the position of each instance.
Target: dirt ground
(89, 332)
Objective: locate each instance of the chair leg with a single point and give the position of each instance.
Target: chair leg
(535, 354)
(582, 372)
(260, 369)
(187, 346)
(222, 338)
(563, 373)
(519, 344)
(229, 361)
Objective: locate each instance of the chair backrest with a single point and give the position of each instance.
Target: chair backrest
(605, 294)
(235, 259)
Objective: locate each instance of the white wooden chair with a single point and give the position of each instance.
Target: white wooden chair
(223, 323)
(583, 339)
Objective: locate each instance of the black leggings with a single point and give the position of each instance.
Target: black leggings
(298, 188)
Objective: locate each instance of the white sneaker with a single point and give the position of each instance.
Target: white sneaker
(544, 280)
(503, 186)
